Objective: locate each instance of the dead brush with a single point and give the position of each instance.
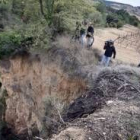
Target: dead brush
(118, 118)
(52, 120)
(112, 81)
(83, 55)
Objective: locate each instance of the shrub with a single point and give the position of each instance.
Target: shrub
(96, 18)
(9, 41)
(113, 24)
(4, 8)
(119, 24)
(121, 17)
(101, 7)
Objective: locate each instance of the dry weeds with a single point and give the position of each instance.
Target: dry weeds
(119, 119)
(82, 54)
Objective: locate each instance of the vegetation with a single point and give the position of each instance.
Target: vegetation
(118, 18)
(43, 20)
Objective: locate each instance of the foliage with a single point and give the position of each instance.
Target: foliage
(4, 14)
(43, 20)
(96, 18)
(50, 10)
(119, 24)
(9, 41)
(121, 17)
(101, 7)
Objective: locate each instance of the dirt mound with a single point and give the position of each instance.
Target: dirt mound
(117, 92)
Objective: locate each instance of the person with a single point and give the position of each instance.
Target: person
(109, 51)
(76, 35)
(90, 35)
(77, 31)
(82, 34)
(90, 29)
(90, 40)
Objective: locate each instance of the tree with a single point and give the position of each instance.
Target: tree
(96, 18)
(41, 8)
(101, 7)
(18, 7)
(49, 7)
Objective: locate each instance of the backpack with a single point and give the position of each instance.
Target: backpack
(82, 31)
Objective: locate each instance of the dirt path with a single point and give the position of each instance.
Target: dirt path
(125, 54)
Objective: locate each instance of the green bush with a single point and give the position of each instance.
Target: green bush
(96, 18)
(113, 24)
(4, 11)
(17, 7)
(121, 17)
(9, 41)
(40, 32)
(101, 7)
(67, 13)
(120, 24)
(3, 8)
(10, 38)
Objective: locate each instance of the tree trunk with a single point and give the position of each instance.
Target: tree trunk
(41, 8)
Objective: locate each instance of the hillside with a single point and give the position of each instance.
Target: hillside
(52, 84)
(62, 94)
(129, 8)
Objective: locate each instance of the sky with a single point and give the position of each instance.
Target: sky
(131, 2)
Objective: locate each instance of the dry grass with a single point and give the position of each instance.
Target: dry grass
(83, 55)
(66, 60)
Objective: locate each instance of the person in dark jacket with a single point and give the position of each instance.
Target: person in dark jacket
(90, 29)
(109, 51)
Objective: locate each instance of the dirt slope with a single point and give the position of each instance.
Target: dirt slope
(40, 85)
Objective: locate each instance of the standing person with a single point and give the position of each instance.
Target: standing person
(77, 31)
(90, 35)
(109, 51)
(76, 35)
(90, 40)
(82, 34)
(90, 29)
